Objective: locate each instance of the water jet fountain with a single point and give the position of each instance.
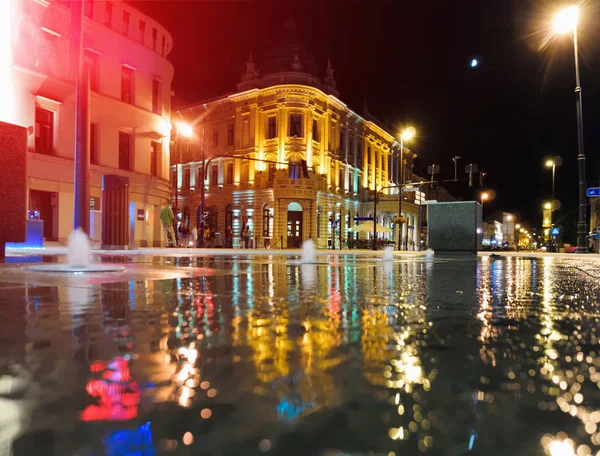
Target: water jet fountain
(388, 254)
(78, 258)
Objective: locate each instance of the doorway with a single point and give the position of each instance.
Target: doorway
(294, 225)
(45, 204)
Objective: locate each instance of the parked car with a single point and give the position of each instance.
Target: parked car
(569, 248)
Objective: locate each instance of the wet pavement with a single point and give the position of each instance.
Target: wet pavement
(264, 356)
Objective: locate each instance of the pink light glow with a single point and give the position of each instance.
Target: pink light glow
(7, 89)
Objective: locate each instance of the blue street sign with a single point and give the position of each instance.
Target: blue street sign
(363, 219)
(593, 191)
(555, 231)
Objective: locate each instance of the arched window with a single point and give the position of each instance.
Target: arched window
(267, 221)
(186, 217)
(319, 211)
(228, 216)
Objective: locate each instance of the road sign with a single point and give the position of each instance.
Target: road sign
(593, 191)
(363, 219)
(555, 231)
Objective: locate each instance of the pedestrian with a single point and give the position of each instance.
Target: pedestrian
(228, 237)
(184, 235)
(194, 237)
(166, 218)
(247, 237)
(242, 234)
(213, 237)
(206, 236)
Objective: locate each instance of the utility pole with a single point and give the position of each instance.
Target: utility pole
(455, 160)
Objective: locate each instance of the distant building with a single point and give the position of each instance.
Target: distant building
(288, 158)
(492, 234)
(595, 223)
(130, 79)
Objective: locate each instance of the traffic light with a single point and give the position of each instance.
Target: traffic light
(481, 177)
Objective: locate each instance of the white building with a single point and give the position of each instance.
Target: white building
(130, 79)
(492, 234)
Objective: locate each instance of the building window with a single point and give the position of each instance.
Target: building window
(342, 143)
(214, 175)
(94, 156)
(108, 11)
(228, 216)
(295, 170)
(229, 173)
(126, 17)
(215, 138)
(351, 182)
(155, 158)
(359, 153)
(126, 84)
(295, 125)
(154, 39)
(186, 178)
(316, 131)
(164, 46)
(341, 178)
(89, 8)
(272, 128)
(156, 105)
(90, 62)
(368, 155)
(272, 169)
(142, 31)
(319, 211)
(267, 221)
(230, 134)
(125, 154)
(44, 131)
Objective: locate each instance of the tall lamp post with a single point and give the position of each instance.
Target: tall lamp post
(405, 135)
(566, 22)
(81, 165)
(184, 130)
(552, 164)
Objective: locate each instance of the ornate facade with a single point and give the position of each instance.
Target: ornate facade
(286, 157)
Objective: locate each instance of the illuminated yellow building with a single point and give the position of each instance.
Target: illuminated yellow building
(304, 163)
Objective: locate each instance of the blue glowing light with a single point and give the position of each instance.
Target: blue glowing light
(474, 63)
(288, 410)
(125, 442)
(471, 441)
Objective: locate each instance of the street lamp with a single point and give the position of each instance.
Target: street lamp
(566, 22)
(184, 130)
(484, 196)
(405, 135)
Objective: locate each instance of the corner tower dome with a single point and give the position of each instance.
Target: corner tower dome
(288, 61)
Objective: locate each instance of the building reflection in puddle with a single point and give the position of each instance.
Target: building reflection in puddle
(435, 340)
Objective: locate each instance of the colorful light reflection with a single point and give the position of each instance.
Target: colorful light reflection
(118, 396)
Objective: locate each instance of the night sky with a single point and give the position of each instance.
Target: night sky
(410, 62)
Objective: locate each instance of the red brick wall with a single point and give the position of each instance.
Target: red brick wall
(13, 183)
